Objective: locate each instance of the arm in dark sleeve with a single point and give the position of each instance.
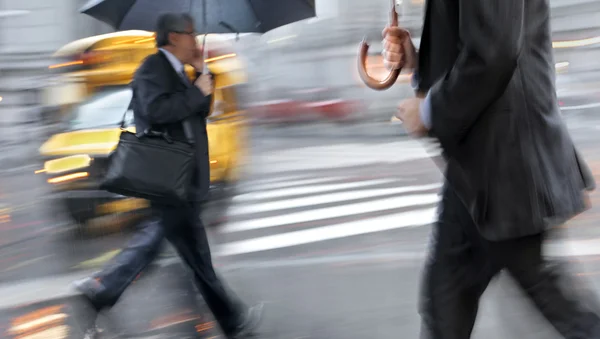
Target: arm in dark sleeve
(491, 35)
(205, 112)
(160, 104)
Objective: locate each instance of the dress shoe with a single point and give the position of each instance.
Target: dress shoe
(247, 329)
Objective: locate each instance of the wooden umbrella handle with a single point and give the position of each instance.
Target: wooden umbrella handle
(373, 83)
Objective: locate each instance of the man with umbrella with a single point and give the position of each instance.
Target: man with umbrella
(485, 90)
(164, 96)
(176, 35)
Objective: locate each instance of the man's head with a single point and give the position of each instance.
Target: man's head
(175, 32)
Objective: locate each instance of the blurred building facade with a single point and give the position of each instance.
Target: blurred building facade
(42, 26)
(314, 53)
(322, 52)
(30, 31)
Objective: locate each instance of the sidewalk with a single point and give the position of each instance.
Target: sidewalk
(377, 129)
(383, 128)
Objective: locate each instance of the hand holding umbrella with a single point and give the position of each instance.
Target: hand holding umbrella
(362, 60)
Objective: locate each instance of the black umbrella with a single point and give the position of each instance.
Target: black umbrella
(212, 16)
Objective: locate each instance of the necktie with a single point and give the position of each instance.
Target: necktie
(184, 78)
(187, 127)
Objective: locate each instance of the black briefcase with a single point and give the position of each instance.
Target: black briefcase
(153, 166)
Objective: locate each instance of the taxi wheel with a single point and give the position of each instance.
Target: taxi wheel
(81, 218)
(80, 213)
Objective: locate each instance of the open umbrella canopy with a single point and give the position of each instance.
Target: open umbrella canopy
(221, 16)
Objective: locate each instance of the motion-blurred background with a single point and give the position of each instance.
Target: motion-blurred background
(321, 206)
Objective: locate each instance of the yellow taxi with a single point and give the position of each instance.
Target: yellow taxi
(94, 96)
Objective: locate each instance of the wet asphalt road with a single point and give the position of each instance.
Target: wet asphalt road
(330, 233)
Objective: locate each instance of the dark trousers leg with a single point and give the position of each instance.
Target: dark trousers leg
(462, 263)
(122, 270)
(185, 231)
(455, 276)
(555, 293)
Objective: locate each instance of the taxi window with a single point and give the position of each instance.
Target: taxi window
(103, 109)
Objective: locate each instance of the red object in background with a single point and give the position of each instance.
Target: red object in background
(309, 104)
(276, 109)
(292, 110)
(327, 104)
(334, 109)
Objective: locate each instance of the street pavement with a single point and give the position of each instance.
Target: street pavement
(331, 233)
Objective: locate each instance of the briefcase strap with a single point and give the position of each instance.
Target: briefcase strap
(189, 132)
(130, 107)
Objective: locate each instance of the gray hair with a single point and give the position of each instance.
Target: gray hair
(171, 23)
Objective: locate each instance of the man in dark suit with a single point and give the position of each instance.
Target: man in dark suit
(484, 77)
(164, 98)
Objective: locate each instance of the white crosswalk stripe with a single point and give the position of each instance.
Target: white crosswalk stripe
(333, 212)
(299, 210)
(326, 198)
(279, 185)
(414, 218)
(308, 190)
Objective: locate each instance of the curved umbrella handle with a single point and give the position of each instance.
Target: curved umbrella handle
(362, 61)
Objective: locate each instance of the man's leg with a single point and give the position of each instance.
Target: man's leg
(555, 293)
(456, 274)
(106, 287)
(187, 234)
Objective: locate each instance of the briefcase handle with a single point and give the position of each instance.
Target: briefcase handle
(150, 133)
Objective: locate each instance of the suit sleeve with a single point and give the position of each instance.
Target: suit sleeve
(491, 37)
(159, 103)
(206, 112)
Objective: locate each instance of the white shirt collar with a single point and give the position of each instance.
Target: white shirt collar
(177, 65)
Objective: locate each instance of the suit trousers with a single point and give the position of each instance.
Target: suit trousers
(462, 263)
(185, 231)
(124, 268)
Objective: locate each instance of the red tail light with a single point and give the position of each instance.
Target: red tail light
(84, 59)
(94, 57)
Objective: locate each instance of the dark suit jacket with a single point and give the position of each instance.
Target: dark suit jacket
(162, 100)
(490, 71)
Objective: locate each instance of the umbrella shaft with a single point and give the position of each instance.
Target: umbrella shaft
(205, 55)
